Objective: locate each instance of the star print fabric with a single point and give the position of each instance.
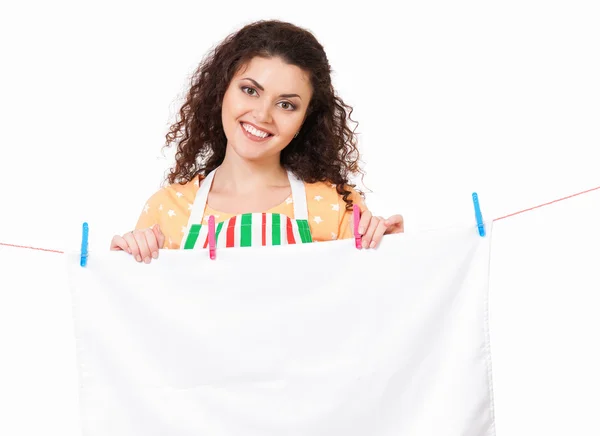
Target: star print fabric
(170, 207)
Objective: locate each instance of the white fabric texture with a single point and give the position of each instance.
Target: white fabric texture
(312, 339)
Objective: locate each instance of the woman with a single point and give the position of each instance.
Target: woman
(263, 145)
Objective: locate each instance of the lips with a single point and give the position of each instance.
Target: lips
(253, 137)
(257, 127)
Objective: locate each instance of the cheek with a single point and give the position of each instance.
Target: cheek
(228, 105)
(288, 126)
(228, 115)
(233, 104)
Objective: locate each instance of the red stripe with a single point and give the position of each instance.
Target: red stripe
(231, 232)
(264, 229)
(290, 232)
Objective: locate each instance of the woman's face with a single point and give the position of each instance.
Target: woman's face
(263, 108)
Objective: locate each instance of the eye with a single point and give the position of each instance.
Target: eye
(286, 105)
(248, 90)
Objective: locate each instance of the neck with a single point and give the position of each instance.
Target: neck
(240, 176)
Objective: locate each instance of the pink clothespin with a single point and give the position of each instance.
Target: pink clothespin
(356, 220)
(212, 249)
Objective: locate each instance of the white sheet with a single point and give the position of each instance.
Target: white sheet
(318, 339)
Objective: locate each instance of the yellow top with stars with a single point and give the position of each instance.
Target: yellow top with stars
(170, 207)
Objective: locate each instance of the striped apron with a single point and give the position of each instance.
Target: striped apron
(249, 229)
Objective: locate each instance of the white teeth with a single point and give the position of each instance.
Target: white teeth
(254, 131)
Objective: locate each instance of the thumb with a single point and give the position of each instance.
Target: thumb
(394, 219)
(394, 224)
(160, 237)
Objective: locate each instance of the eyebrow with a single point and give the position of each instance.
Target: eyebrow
(259, 86)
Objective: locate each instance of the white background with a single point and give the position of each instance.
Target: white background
(451, 97)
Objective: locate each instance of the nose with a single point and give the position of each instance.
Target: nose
(262, 111)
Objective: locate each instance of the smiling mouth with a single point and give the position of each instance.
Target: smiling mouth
(255, 133)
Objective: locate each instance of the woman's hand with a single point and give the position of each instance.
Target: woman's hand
(142, 244)
(372, 228)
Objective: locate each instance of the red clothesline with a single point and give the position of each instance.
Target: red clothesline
(31, 248)
(546, 204)
(496, 219)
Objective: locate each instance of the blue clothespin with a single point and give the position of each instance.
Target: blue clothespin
(84, 244)
(478, 216)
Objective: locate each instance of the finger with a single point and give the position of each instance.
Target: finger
(378, 234)
(365, 219)
(368, 236)
(394, 219)
(133, 245)
(160, 238)
(397, 228)
(119, 243)
(395, 224)
(152, 241)
(142, 237)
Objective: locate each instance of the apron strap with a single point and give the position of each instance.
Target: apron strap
(298, 197)
(200, 201)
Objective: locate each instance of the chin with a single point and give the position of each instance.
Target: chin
(252, 153)
(256, 151)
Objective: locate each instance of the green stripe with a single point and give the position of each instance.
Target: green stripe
(246, 230)
(304, 230)
(219, 227)
(192, 237)
(275, 229)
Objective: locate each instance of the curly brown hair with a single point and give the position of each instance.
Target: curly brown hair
(325, 149)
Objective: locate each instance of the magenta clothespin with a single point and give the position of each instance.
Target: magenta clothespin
(211, 238)
(356, 219)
